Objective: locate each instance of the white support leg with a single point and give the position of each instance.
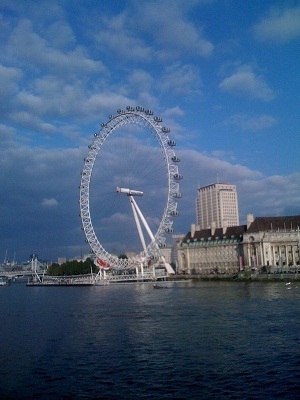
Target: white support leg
(138, 225)
(139, 216)
(142, 219)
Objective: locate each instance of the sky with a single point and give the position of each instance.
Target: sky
(223, 74)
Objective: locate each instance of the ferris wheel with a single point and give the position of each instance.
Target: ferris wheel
(131, 190)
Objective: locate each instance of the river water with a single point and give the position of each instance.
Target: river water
(203, 340)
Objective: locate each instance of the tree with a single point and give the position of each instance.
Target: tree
(73, 267)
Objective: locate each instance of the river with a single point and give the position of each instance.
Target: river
(202, 340)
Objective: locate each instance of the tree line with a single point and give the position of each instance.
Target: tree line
(73, 267)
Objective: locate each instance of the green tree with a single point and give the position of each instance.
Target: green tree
(73, 267)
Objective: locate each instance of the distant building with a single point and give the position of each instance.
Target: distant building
(217, 206)
(176, 242)
(166, 253)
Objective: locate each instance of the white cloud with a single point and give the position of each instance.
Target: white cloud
(60, 35)
(171, 31)
(117, 38)
(52, 97)
(245, 82)
(174, 112)
(146, 32)
(26, 45)
(281, 26)
(28, 120)
(139, 80)
(49, 202)
(107, 101)
(181, 79)
(9, 78)
(247, 123)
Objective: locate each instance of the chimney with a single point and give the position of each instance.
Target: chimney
(224, 226)
(193, 230)
(213, 227)
(250, 219)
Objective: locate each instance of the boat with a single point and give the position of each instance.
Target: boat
(156, 286)
(4, 282)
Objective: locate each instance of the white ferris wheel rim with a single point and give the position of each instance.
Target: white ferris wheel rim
(145, 118)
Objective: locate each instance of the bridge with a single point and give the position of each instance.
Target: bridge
(33, 267)
(15, 274)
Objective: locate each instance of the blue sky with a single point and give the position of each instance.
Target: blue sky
(223, 74)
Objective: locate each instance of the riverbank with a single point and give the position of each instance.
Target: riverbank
(241, 276)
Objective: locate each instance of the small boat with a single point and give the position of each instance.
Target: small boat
(156, 286)
(4, 282)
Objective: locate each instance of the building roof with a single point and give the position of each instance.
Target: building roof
(216, 184)
(205, 234)
(263, 224)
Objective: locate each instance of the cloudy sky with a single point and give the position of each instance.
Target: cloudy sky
(223, 74)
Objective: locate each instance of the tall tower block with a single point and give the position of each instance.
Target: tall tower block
(217, 206)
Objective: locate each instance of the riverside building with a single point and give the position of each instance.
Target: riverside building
(272, 244)
(216, 250)
(265, 244)
(217, 206)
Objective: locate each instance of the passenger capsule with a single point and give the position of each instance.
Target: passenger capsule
(175, 159)
(169, 230)
(177, 177)
(111, 116)
(165, 130)
(174, 213)
(177, 195)
(171, 143)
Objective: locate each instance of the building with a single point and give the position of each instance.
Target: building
(265, 244)
(216, 250)
(176, 243)
(166, 253)
(271, 244)
(217, 206)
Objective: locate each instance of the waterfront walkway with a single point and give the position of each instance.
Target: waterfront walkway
(241, 276)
